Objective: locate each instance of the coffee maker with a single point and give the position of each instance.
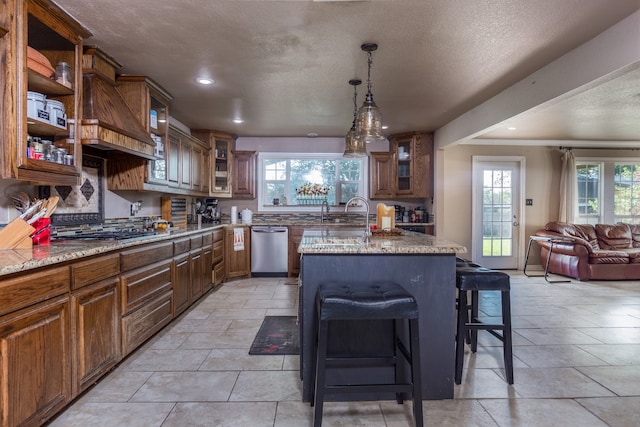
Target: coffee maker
(209, 210)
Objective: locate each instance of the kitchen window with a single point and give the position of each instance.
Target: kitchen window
(302, 181)
(608, 191)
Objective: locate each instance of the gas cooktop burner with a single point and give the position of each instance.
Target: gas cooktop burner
(108, 235)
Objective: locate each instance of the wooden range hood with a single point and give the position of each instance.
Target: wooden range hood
(108, 123)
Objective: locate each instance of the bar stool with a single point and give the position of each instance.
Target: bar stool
(383, 300)
(474, 278)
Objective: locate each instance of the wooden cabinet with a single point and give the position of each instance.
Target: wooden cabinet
(218, 256)
(244, 177)
(149, 102)
(405, 172)
(181, 275)
(95, 319)
(40, 27)
(35, 379)
(146, 293)
(237, 263)
(207, 262)
(188, 161)
(196, 268)
(295, 237)
(35, 349)
(222, 145)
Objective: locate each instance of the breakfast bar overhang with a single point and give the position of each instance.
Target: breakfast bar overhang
(424, 265)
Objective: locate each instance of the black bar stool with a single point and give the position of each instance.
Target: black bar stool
(384, 300)
(474, 278)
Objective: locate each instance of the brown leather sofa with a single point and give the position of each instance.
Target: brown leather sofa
(594, 252)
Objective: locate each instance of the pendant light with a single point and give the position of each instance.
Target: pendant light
(354, 147)
(369, 117)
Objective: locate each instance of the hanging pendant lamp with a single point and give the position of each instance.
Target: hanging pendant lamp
(369, 117)
(354, 147)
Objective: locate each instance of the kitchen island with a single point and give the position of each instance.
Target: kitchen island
(423, 264)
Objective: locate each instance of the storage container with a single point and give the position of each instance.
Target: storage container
(37, 106)
(57, 116)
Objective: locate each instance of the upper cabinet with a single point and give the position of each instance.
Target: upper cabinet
(40, 108)
(150, 104)
(244, 177)
(407, 170)
(222, 145)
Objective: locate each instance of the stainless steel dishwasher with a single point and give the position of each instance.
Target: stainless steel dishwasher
(269, 251)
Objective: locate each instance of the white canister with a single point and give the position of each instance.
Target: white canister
(234, 214)
(36, 106)
(57, 116)
(247, 216)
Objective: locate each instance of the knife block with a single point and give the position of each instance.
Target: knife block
(16, 235)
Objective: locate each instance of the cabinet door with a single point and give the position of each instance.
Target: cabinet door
(95, 320)
(174, 163)
(422, 182)
(185, 155)
(196, 167)
(34, 349)
(295, 237)
(237, 263)
(196, 274)
(182, 283)
(207, 268)
(382, 175)
(244, 166)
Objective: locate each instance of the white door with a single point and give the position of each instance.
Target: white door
(496, 211)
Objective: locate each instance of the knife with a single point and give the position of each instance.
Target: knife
(37, 216)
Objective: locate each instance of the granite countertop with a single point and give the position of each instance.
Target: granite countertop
(316, 241)
(58, 251)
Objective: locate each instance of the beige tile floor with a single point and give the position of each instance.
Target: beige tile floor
(576, 357)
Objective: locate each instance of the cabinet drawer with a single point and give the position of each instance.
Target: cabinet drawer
(196, 242)
(134, 258)
(218, 235)
(94, 270)
(218, 252)
(28, 289)
(181, 246)
(218, 273)
(143, 323)
(138, 286)
(207, 239)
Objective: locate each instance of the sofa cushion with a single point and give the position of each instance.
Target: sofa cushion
(635, 235)
(613, 236)
(585, 232)
(634, 255)
(605, 256)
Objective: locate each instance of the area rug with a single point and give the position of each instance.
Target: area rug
(278, 335)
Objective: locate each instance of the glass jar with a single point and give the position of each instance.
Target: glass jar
(63, 74)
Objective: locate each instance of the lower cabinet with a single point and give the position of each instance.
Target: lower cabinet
(218, 256)
(295, 237)
(34, 345)
(197, 268)
(181, 275)
(237, 262)
(207, 262)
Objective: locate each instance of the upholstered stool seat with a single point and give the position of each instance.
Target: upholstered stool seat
(473, 278)
(367, 301)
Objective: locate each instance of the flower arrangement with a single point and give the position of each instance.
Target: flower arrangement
(309, 189)
(312, 194)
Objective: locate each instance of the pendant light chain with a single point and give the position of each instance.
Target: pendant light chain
(369, 62)
(355, 106)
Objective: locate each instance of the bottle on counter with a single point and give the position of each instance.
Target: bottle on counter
(386, 217)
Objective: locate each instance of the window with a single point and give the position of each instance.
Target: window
(608, 191)
(302, 181)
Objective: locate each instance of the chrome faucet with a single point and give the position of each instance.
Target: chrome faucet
(367, 231)
(322, 211)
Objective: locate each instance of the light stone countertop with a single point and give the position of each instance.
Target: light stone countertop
(316, 241)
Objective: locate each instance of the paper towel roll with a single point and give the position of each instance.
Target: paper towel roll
(234, 214)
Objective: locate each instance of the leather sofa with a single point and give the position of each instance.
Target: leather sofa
(593, 252)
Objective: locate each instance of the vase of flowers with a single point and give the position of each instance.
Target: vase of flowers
(312, 194)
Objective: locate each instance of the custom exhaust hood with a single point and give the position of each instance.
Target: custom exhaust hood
(107, 121)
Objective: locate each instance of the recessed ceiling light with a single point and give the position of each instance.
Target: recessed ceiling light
(205, 81)
(512, 128)
(385, 126)
(238, 121)
(312, 134)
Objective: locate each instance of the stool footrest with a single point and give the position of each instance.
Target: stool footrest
(356, 362)
(370, 388)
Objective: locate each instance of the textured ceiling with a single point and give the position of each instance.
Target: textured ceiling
(284, 66)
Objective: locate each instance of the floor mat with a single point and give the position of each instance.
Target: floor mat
(278, 335)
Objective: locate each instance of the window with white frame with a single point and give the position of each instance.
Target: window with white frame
(302, 181)
(608, 191)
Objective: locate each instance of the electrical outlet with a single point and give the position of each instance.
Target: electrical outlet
(529, 202)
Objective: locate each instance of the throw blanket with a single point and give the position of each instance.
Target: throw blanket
(238, 239)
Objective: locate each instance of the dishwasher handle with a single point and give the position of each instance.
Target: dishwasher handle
(267, 230)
